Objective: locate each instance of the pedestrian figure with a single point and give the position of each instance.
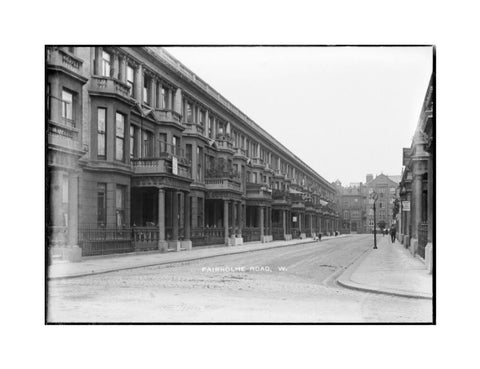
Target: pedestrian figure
(393, 233)
(319, 237)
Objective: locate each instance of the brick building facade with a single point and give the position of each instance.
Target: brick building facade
(351, 207)
(144, 155)
(386, 189)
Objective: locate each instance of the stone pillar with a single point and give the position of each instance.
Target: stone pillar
(417, 211)
(234, 218)
(138, 84)
(300, 222)
(115, 70)
(153, 92)
(240, 219)
(98, 60)
(225, 220)
(178, 101)
(284, 222)
(187, 243)
(138, 139)
(74, 252)
(261, 218)
(430, 198)
(162, 244)
(175, 215)
(123, 69)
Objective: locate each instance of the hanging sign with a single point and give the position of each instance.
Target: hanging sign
(406, 205)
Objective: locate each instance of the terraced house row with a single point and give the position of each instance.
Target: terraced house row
(144, 155)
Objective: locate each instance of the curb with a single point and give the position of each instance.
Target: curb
(344, 280)
(85, 274)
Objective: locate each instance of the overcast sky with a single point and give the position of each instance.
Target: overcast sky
(345, 111)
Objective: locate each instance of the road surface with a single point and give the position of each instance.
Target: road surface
(288, 284)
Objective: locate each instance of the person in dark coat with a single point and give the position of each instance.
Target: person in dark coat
(393, 233)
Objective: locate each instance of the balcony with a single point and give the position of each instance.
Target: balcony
(194, 128)
(168, 116)
(259, 191)
(240, 153)
(62, 60)
(224, 142)
(280, 197)
(223, 184)
(63, 135)
(111, 87)
(278, 174)
(165, 164)
(258, 162)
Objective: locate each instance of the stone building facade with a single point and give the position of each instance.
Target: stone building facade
(145, 155)
(352, 207)
(386, 188)
(417, 184)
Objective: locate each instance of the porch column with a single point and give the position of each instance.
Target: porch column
(311, 224)
(240, 219)
(417, 211)
(187, 216)
(73, 209)
(262, 233)
(284, 223)
(225, 220)
(430, 199)
(175, 215)
(300, 222)
(161, 220)
(234, 218)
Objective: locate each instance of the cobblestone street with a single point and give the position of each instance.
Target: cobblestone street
(291, 284)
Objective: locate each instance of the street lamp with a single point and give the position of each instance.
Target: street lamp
(374, 197)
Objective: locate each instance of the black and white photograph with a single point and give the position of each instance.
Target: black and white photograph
(254, 184)
(240, 184)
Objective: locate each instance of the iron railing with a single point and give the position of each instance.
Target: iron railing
(96, 240)
(251, 234)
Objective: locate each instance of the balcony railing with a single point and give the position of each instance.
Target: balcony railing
(61, 58)
(194, 128)
(169, 116)
(258, 161)
(109, 85)
(63, 135)
(222, 184)
(160, 165)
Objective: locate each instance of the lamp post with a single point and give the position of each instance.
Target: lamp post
(374, 197)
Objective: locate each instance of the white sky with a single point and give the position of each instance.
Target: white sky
(345, 111)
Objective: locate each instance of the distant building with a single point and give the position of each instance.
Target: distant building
(351, 207)
(417, 185)
(386, 188)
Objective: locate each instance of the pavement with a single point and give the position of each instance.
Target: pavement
(391, 270)
(113, 263)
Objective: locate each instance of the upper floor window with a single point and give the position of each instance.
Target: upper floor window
(130, 79)
(133, 146)
(201, 119)
(119, 136)
(189, 113)
(146, 90)
(67, 106)
(101, 132)
(165, 102)
(71, 49)
(106, 60)
(210, 125)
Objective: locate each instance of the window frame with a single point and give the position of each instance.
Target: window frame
(120, 138)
